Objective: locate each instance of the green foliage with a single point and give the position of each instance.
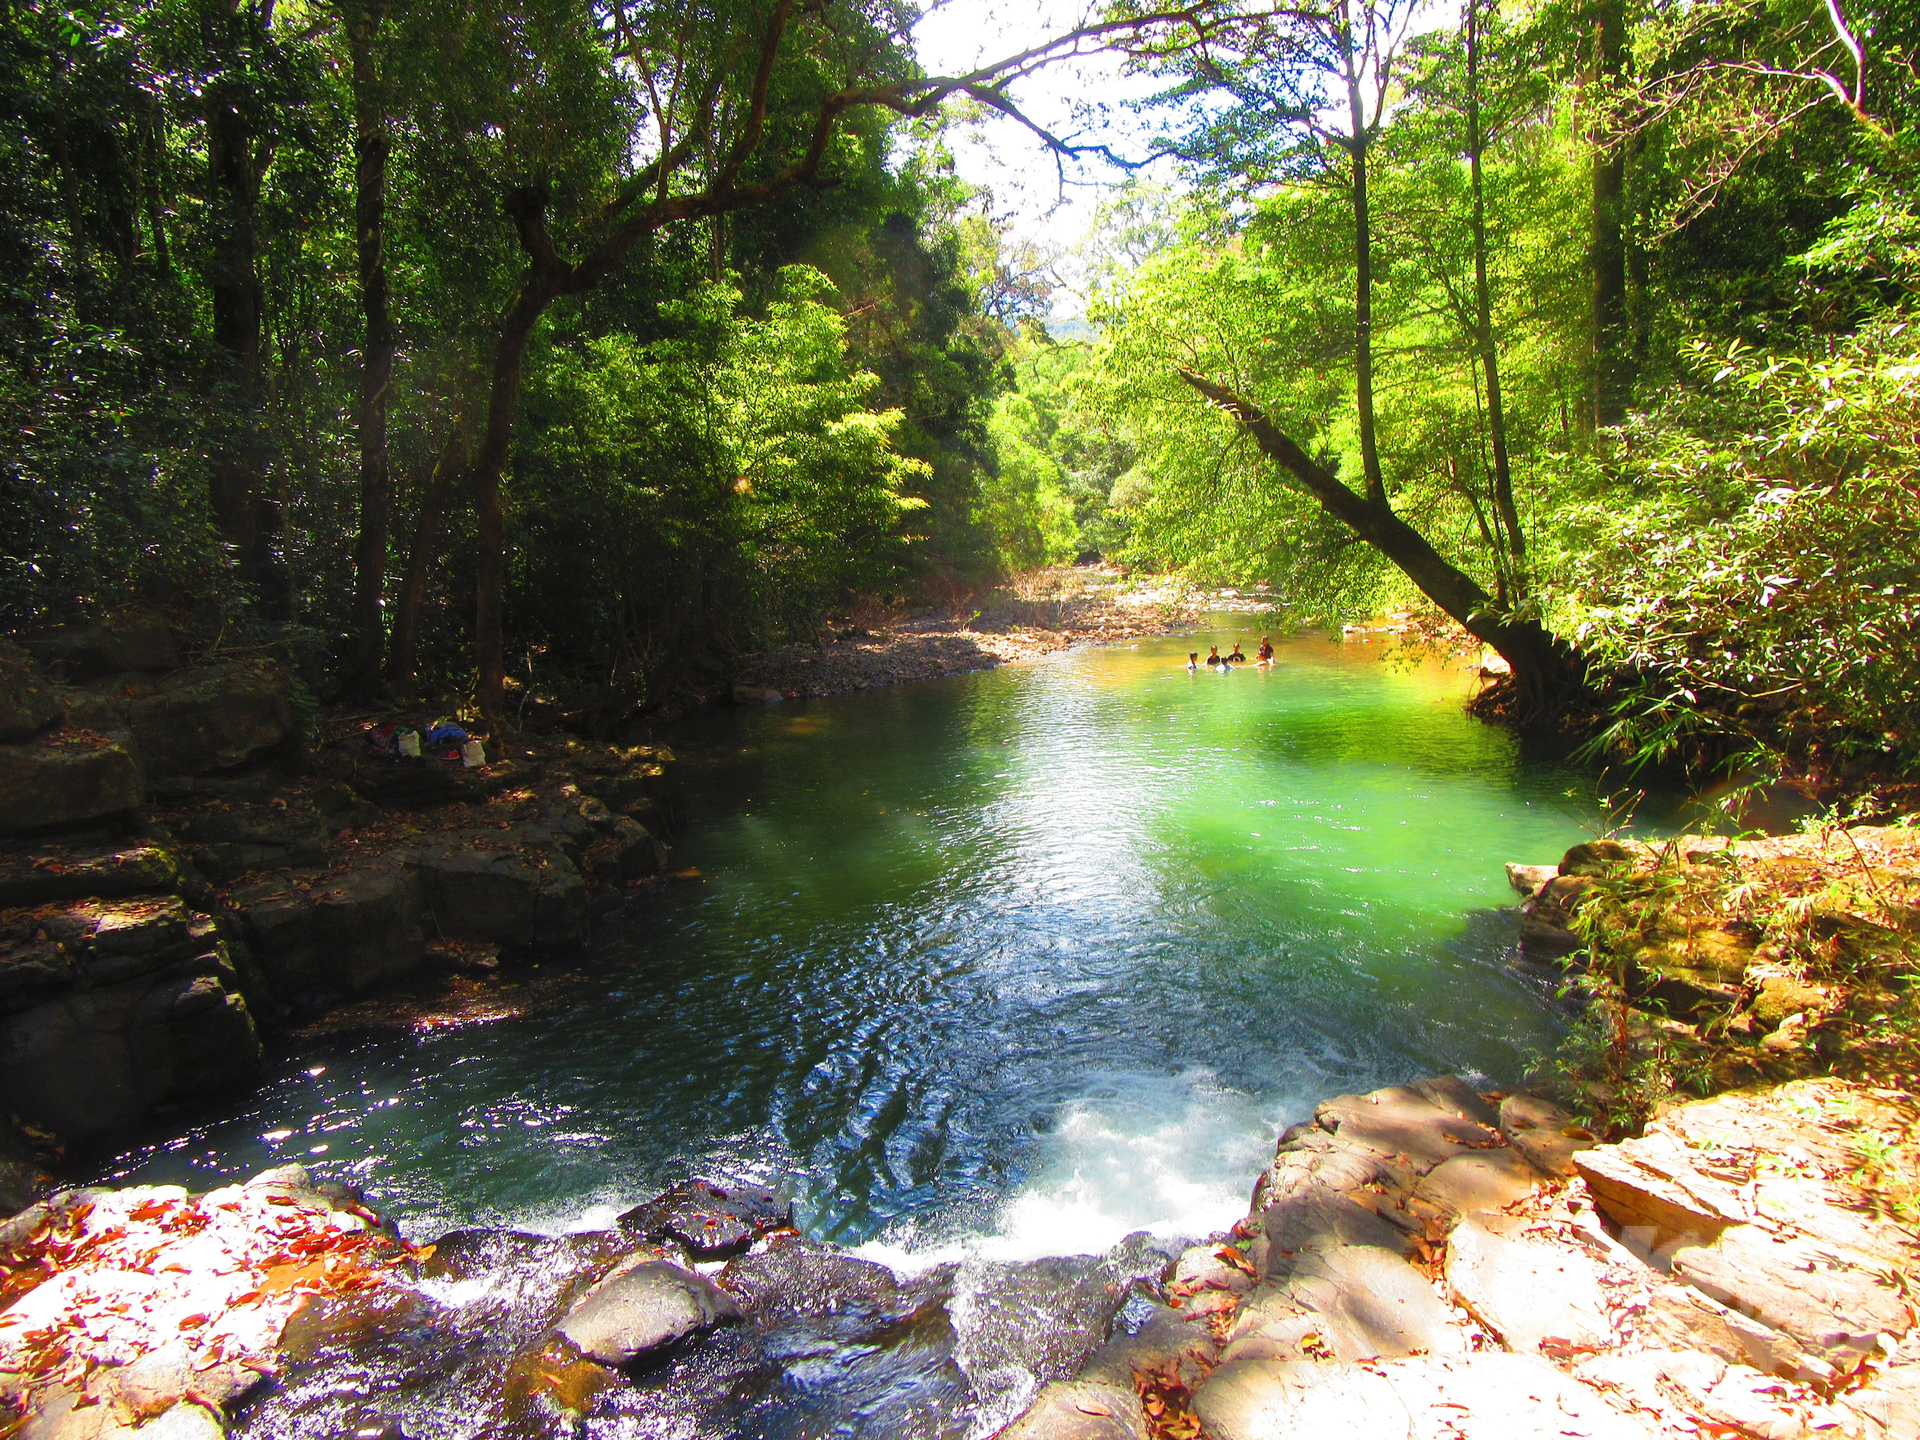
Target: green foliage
(1746, 557)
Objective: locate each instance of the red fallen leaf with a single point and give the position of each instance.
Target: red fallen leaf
(149, 1210)
(281, 1200)
(1092, 1407)
(1227, 1254)
(193, 1322)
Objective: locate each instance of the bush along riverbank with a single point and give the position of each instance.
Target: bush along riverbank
(185, 868)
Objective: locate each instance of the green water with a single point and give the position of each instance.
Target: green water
(1023, 959)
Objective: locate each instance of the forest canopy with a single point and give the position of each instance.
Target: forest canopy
(603, 340)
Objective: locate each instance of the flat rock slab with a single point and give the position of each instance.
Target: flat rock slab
(1833, 1303)
(1487, 1396)
(711, 1221)
(45, 874)
(1651, 1190)
(68, 778)
(1355, 1302)
(634, 1312)
(1080, 1410)
(1536, 1297)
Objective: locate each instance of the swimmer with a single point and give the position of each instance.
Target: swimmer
(1193, 661)
(1266, 652)
(1213, 656)
(1236, 657)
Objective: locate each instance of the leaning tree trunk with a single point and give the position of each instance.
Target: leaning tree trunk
(370, 147)
(1548, 673)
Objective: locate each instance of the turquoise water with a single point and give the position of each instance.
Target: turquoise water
(1019, 961)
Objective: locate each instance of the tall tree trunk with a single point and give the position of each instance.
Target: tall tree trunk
(1514, 567)
(370, 147)
(1363, 272)
(1547, 671)
(545, 278)
(1612, 332)
(403, 652)
(247, 512)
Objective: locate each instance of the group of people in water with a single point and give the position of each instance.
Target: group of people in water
(1227, 662)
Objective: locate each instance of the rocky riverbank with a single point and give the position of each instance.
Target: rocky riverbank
(184, 869)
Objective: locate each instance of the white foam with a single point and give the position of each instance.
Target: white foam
(1173, 1155)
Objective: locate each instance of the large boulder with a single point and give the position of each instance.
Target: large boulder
(319, 937)
(213, 717)
(108, 1008)
(190, 722)
(101, 647)
(68, 777)
(639, 1310)
(505, 888)
(27, 702)
(227, 841)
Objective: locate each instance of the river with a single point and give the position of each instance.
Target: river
(1015, 962)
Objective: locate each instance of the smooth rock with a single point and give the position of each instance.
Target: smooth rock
(1537, 1298)
(1833, 1303)
(1489, 1180)
(1399, 1120)
(1356, 1301)
(1267, 1399)
(212, 717)
(640, 1310)
(1526, 880)
(1538, 1130)
(1080, 1410)
(1889, 1408)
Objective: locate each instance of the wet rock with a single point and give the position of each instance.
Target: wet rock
(1538, 1298)
(1598, 858)
(27, 702)
(78, 870)
(793, 1277)
(1039, 1320)
(755, 695)
(68, 778)
(477, 889)
(711, 1221)
(637, 1311)
(320, 934)
(64, 1417)
(1540, 1130)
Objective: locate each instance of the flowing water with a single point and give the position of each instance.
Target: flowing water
(997, 966)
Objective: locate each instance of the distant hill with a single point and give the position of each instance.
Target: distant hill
(1070, 328)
